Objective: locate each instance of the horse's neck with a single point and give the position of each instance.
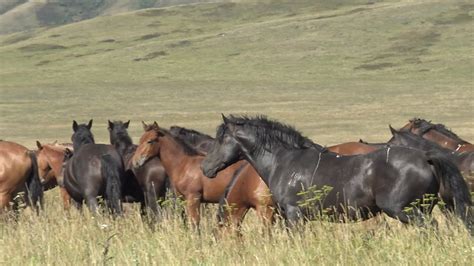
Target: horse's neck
(264, 162)
(56, 160)
(172, 156)
(442, 139)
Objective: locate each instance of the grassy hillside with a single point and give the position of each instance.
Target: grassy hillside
(326, 67)
(337, 70)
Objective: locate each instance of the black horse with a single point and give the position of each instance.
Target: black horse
(196, 139)
(390, 180)
(146, 184)
(94, 170)
(464, 160)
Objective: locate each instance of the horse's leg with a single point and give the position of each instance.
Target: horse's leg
(266, 215)
(152, 202)
(5, 199)
(193, 203)
(92, 204)
(293, 217)
(66, 198)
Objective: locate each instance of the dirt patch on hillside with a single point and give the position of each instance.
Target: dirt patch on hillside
(151, 56)
(41, 47)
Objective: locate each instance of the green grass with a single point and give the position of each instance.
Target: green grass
(337, 70)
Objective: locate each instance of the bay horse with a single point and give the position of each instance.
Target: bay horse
(182, 163)
(19, 173)
(50, 168)
(149, 180)
(437, 133)
(387, 180)
(463, 160)
(94, 170)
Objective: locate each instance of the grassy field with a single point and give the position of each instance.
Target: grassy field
(337, 70)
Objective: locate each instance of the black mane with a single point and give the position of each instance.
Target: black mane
(271, 132)
(82, 136)
(188, 132)
(188, 149)
(426, 126)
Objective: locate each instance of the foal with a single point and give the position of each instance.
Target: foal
(182, 163)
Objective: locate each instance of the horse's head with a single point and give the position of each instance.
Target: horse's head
(226, 149)
(82, 134)
(45, 169)
(149, 145)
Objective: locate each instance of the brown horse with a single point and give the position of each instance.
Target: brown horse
(50, 167)
(19, 173)
(248, 191)
(183, 165)
(439, 134)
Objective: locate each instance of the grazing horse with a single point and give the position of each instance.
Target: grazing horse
(50, 167)
(439, 134)
(182, 163)
(19, 173)
(464, 160)
(389, 180)
(94, 170)
(150, 179)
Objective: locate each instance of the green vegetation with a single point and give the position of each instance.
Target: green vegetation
(337, 70)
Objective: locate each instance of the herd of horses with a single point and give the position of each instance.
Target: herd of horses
(253, 163)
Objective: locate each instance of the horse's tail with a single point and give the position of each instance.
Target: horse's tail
(112, 172)
(34, 186)
(223, 208)
(453, 188)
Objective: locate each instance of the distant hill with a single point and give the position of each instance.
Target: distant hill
(20, 15)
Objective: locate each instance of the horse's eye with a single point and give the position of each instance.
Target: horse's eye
(151, 141)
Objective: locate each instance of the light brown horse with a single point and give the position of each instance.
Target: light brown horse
(50, 167)
(439, 134)
(18, 173)
(248, 191)
(183, 166)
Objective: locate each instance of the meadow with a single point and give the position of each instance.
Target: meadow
(336, 70)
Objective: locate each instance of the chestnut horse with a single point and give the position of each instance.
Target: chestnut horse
(19, 173)
(50, 167)
(149, 180)
(183, 165)
(439, 134)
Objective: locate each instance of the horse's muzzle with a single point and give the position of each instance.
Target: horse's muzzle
(140, 162)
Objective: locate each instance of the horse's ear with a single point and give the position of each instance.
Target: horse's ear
(68, 153)
(126, 124)
(155, 126)
(89, 126)
(111, 125)
(38, 144)
(145, 126)
(74, 125)
(392, 130)
(225, 119)
(55, 142)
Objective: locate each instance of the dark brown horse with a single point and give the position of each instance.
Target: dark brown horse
(150, 179)
(19, 173)
(182, 163)
(439, 134)
(94, 170)
(248, 191)
(50, 167)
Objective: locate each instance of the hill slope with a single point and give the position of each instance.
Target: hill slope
(321, 59)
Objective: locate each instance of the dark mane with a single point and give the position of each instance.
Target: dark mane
(271, 132)
(186, 147)
(188, 132)
(426, 126)
(82, 136)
